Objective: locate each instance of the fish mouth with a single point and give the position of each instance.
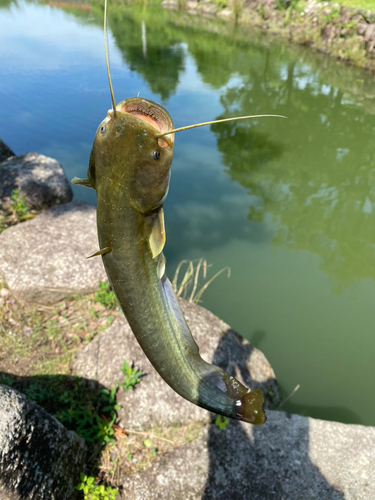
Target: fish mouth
(153, 114)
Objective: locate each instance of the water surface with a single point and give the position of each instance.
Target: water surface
(288, 205)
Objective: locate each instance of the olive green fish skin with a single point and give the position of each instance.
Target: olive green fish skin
(131, 182)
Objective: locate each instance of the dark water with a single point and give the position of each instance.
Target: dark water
(288, 205)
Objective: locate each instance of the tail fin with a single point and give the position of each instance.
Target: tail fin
(250, 409)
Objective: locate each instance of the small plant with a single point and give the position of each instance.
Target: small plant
(332, 16)
(37, 393)
(221, 4)
(262, 10)
(110, 398)
(189, 282)
(221, 422)
(82, 417)
(14, 211)
(131, 377)
(105, 296)
(5, 380)
(91, 491)
(106, 433)
(147, 442)
(237, 7)
(18, 204)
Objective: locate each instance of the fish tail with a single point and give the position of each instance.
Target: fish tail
(225, 395)
(251, 407)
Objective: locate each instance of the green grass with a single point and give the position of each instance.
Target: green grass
(93, 492)
(14, 211)
(18, 204)
(359, 4)
(44, 339)
(105, 296)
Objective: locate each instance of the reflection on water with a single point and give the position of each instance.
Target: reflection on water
(287, 204)
(315, 175)
(149, 49)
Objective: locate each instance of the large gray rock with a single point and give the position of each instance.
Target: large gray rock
(289, 457)
(5, 152)
(153, 402)
(39, 458)
(44, 260)
(38, 178)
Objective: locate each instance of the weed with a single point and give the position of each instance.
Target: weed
(93, 492)
(221, 422)
(5, 380)
(112, 470)
(262, 10)
(105, 296)
(110, 398)
(221, 4)
(332, 16)
(80, 414)
(106, 432)
(135, 450)
(14, 211)
(237, 8)
(76, 404)
(282, 4)
(18, 204)
(147, 442)
(350, 26)
(39, 394)
(191, 278)
(131, 377)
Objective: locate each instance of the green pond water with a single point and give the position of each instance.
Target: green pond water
(288, 205)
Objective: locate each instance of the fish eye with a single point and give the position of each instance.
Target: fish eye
(103, 128)
(156, 155)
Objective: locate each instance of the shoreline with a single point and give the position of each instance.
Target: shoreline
(342, 32)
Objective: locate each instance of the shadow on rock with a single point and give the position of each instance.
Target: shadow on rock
(237, 357)
(75, 401)
(266, 462)
(39, 457)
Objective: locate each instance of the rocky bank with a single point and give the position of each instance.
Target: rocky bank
(289, 457)
(341, 31)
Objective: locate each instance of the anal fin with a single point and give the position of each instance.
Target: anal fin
(103, 251)
(161, 266)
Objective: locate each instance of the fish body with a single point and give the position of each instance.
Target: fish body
(130, 171)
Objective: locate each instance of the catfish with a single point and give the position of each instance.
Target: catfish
(130, 168)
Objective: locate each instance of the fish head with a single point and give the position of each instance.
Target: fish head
(128, 160)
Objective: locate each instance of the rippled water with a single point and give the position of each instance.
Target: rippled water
(288, 205)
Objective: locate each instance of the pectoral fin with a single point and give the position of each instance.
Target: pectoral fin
(157, 236)
(81, 182)
(100, 252)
